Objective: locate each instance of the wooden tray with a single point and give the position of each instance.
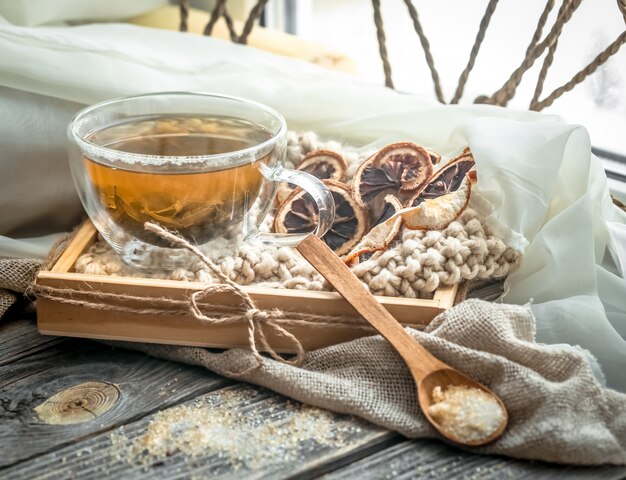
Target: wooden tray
(56, 318)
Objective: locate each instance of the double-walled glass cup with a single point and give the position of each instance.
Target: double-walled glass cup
(205, 166)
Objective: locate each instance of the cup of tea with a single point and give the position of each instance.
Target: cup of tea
(204, 166)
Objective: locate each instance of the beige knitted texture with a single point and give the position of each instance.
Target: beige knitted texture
(558, 410)
(413, 267)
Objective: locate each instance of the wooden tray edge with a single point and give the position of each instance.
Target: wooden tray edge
(58, 318)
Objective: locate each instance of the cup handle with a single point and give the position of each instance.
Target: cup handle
(314, 187)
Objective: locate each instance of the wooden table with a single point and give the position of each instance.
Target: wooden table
(115, 413)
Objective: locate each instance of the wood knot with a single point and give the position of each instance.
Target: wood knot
(78, 404)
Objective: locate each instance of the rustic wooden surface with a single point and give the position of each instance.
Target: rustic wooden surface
(244, 431)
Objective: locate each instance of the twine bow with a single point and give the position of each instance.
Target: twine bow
(256, 319)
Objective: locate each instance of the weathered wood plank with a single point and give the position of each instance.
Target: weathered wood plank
(19, 338)
(44, 359)
(435, 460)
(236, 432)
(144, 384)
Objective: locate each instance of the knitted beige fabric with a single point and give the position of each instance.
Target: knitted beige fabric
(414, 267)
(558, 411)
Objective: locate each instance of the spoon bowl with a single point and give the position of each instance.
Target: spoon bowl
(427, 371)
(447, 377)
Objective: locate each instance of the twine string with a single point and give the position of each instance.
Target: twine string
(184, 15)
(430, 61)
(480, 36)
(507, 91)
(602, 57)
(382, 45)
(219, 10)
(255, 318)
(547, 61)
(165, 306)
(216, 13)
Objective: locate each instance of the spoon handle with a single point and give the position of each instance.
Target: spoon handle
(419, 360)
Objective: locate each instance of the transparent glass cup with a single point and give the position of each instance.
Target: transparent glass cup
(205, 166)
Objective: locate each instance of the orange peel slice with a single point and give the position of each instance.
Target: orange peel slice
(435, 158)
(437, 213)
(322, 164)
(380, 237)
(298, 214)
(445, 180)
(431, 214)
(325, 165)
(399, 169)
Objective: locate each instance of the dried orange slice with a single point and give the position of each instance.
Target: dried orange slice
(322, 164)
(435, 158)
(399, 169)
(445, 180)
(382, 235)
(431, 214)
(298, 214)
(325, 165)
(437, 213)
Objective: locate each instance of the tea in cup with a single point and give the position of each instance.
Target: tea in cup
(204, 166)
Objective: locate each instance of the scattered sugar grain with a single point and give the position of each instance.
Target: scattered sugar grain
(230, 426)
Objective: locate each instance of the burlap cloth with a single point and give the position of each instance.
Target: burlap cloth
(16, 275)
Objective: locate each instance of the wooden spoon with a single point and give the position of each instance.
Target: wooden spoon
(428, 372)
